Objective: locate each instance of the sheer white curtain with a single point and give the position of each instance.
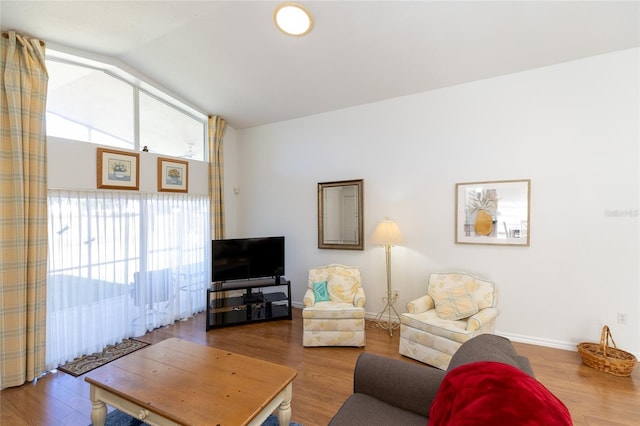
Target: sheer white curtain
(120, 264)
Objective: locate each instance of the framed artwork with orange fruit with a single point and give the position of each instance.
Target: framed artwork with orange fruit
(493, 212)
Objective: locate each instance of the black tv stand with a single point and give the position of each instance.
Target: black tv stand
(248, 301)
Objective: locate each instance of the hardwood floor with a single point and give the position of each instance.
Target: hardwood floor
(325, 377)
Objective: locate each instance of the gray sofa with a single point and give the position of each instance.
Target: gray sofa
(390, 391)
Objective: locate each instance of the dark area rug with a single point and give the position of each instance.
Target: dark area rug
(84, 364)
(118, 418)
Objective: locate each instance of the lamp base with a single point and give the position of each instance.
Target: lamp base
(387, 323)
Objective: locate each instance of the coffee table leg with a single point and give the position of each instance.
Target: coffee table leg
(98, 411)
(284, 410)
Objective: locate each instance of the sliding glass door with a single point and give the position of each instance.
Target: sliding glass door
(120, 264)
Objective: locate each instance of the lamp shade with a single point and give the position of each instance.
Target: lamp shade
(387, 233)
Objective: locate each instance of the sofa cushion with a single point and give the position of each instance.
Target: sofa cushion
(320, 292)
(429, 322)
(489, 347)
(342, 287)
(484, 292)
(332, 310)
(493, 393)
(454, 303)
(364, 410)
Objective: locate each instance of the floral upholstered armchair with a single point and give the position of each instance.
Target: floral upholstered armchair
(457, 307)
(334, 307)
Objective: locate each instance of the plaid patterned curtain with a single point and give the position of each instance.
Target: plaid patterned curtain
(217, 126)
(23, 209)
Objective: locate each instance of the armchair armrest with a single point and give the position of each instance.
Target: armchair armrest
(359, 299)
(399, 383)
(309, 298)
(421, 304)
(484, 316)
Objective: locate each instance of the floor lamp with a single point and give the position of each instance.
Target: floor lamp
(388, 234)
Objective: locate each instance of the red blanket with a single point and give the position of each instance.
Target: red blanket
(496, 394)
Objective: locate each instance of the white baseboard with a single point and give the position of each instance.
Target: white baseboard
(539, 341)
(557, 344)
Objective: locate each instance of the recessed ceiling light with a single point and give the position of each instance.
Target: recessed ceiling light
(293, 19)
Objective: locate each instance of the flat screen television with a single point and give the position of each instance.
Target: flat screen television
(246, 258)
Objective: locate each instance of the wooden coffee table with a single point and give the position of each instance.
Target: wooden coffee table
(176, 382)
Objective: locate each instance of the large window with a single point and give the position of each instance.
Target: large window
(88, 105)
(92, 105)
(121, 264)
(165, 130)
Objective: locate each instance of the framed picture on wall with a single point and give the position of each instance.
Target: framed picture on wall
(493, 212)
(173, 175)
(118, 169)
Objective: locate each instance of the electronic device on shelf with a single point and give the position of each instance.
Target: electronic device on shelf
(247, 258)
(252, 297)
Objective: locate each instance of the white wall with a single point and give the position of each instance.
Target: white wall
(570, 128)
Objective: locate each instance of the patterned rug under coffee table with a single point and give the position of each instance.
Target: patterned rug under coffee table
(118, 418)
(86, 363)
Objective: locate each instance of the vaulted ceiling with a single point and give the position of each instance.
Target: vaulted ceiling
(227, 57)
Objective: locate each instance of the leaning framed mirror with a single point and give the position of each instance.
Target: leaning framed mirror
(340, 215)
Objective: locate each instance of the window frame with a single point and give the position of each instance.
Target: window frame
(138, 82)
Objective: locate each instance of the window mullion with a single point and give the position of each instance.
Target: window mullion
(136, 119)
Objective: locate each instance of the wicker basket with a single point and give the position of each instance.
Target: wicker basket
(604, 358)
